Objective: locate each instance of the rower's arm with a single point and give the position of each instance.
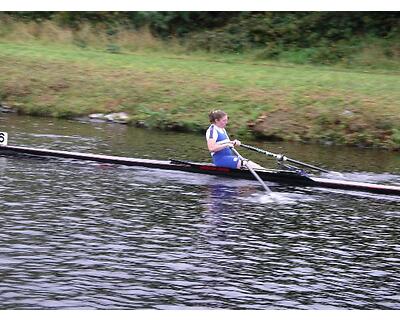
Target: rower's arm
(213, 146)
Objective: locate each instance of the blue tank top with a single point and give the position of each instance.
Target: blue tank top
(222, 136)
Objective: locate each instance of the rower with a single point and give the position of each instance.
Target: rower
(220, 145)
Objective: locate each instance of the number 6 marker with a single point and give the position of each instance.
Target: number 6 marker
(3, 138)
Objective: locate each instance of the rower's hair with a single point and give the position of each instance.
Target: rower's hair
(216, 115)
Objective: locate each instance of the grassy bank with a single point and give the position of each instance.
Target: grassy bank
(167, 91)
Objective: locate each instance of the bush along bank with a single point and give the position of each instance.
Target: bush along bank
(341, 126)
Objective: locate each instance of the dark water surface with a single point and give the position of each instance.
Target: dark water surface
(80, 235)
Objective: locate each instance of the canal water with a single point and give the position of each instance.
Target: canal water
(83, 235)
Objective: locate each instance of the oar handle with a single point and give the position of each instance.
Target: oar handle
(281, 157)
(277, 156)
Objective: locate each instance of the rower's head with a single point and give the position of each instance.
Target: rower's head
(219, 118)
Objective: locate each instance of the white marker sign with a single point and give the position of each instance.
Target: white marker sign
(3, 138)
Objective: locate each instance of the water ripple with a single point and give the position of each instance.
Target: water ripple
(84, 236)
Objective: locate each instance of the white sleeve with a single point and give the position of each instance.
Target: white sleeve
(208, 134)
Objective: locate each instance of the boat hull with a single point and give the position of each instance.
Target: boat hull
(281, 176)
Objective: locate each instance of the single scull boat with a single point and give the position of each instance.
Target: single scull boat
(287, 177)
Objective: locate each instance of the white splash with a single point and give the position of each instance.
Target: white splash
(279, 198)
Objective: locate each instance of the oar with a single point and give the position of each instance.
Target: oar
(281, 157)
(252, 171)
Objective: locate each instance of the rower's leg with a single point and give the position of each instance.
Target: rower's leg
(239, 165)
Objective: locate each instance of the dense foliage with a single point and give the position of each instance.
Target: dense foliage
(260, 26)
(162, 24)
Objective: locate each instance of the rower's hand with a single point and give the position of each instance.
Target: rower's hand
(235, 143)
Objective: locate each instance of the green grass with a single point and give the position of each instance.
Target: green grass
(305, 103)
